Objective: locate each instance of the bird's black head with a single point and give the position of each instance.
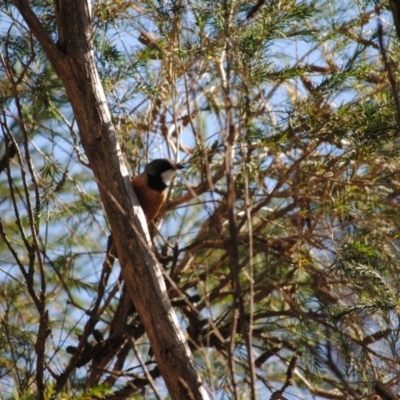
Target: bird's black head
(160, 173)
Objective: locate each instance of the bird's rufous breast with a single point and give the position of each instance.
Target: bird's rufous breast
(150, 200)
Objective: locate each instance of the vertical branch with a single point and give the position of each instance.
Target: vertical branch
(33, 209)
(28, 275)
(229, 140)
(249, 325)
(243, 124)
(386, 63)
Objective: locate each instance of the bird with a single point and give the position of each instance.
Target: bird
(151, 188)
(152, 184)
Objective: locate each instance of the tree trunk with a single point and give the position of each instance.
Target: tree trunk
(73, 60)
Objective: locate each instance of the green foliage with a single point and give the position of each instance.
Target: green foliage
(365, 269)
(303, 89)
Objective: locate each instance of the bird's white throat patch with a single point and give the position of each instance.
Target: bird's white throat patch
(167, 176)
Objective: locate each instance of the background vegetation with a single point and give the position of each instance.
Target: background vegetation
(279, 242)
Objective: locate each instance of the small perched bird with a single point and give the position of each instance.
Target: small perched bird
(151, 185)
(151, 190)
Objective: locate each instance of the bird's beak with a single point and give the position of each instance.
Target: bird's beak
(180, 166)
